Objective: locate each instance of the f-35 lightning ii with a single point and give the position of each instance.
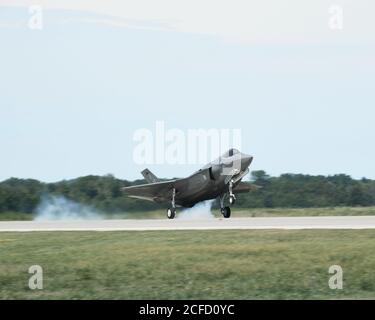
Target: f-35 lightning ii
(219, 178)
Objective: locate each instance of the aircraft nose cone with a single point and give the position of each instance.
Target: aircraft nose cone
(246, 161)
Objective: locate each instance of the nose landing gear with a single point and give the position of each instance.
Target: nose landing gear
(232, 197)
(232, 200)
(171, 212)
(225, 211)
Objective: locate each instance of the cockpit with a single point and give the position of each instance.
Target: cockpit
(231, 152)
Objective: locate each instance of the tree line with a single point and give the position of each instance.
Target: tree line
(104, 192)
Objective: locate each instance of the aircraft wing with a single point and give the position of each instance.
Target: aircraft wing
(156, 192)
(243, 187)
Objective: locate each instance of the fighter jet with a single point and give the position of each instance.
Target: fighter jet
(218, 179)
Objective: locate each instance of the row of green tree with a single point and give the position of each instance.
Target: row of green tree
(306, 191)
(104, 192)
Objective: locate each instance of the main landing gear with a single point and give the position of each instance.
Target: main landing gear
(171, 212)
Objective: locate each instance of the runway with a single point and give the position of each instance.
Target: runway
(292, 223)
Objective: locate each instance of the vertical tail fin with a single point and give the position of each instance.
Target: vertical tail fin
(149, 176)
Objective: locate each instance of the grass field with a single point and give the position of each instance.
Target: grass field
(247, 264)
(236, 212)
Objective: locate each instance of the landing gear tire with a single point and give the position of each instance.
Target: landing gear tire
(225, 212)
(232, 200)
(171, 213)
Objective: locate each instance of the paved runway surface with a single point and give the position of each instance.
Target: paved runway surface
(352, 222)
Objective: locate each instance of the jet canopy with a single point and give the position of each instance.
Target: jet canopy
(231, 152)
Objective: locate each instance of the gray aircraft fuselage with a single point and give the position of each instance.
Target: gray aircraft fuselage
(213, 180)
(216, 179)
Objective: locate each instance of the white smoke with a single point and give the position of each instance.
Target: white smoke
(59, 208)
(200, 211)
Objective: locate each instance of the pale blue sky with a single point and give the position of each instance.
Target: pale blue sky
(73, 93)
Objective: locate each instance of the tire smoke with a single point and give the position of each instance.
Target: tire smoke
(60, 208)
(199, 211)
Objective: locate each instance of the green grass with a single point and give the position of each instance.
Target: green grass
(236, 212)
(247, 264)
